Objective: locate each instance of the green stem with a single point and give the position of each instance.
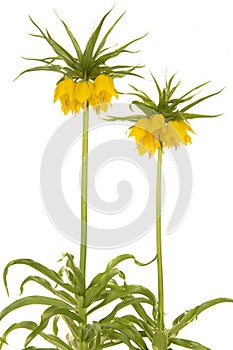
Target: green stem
(159, 243)
(83, 245)
(84, 181)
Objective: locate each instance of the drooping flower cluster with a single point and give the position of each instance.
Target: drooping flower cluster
(87, 78)
(154, 132)
(163, 123)
(74, 96)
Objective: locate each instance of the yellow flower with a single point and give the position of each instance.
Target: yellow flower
(148, 133)
(83, 91)
(65, 92)
(104, 89)
(152, 133)
(176, 133)
(74, 96)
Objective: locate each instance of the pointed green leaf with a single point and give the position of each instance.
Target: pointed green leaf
(131, 331)
(157, 85)
(131, 118)
(103, 41)
(194, 89)
(102, 59)
(196, 116)
(188, 316)
(50, 68)
(98, 286)
(73, 40)
(168, 86)
(120, 292)
(44, 283)
(148, 330)
(53, 275)
(199, 100)
(129, 301)
(60, 51)
(87, 57)
(123, 257)
(148, 110)
(188, 344)
(25, 324)
(72, 326)
(127, 335)
(79, 279)
(59, 343)
(33, 300)
(47, 315)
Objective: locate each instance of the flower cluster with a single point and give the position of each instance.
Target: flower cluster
(154, 132)
(74, 96)
(87, 78)
(164, 123)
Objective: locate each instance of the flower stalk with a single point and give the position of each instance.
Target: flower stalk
(83, 245)
(84, 181)
(159, 242)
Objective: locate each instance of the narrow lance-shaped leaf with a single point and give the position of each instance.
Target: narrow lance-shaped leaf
(96, 288)
(66, 56)
(102, 59)
(103, 41)
(53, 275)
(72, 326)
(120, 292)
(50, 68)
(187, 115)
(191, 315)
(123, 257)
(168, 86)
(142, 92)
(60, 51)
(188, 344)
(131, 331)
(33, 300)
(47, 315)
(199, 100)
(112, 332)
(149, 331)
(79, 279)
(194, 89)
(157, 85)
(73, 40)
(87, 57)
(44, 283)
(31, 326)
(145, 108)
(130, 301)
(58, 342)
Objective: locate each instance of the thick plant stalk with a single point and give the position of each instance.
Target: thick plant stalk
(83, 245)
(159, 243)
(84, 181)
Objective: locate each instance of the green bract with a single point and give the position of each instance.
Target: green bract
(172, 108)
(87, 64)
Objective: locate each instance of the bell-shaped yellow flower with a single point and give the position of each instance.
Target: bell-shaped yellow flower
(152, 133)
(65, 92)
(176, 133)
(147, 133)
(104, 89)
(83, 92)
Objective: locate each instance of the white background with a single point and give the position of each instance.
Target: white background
(192, 38)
